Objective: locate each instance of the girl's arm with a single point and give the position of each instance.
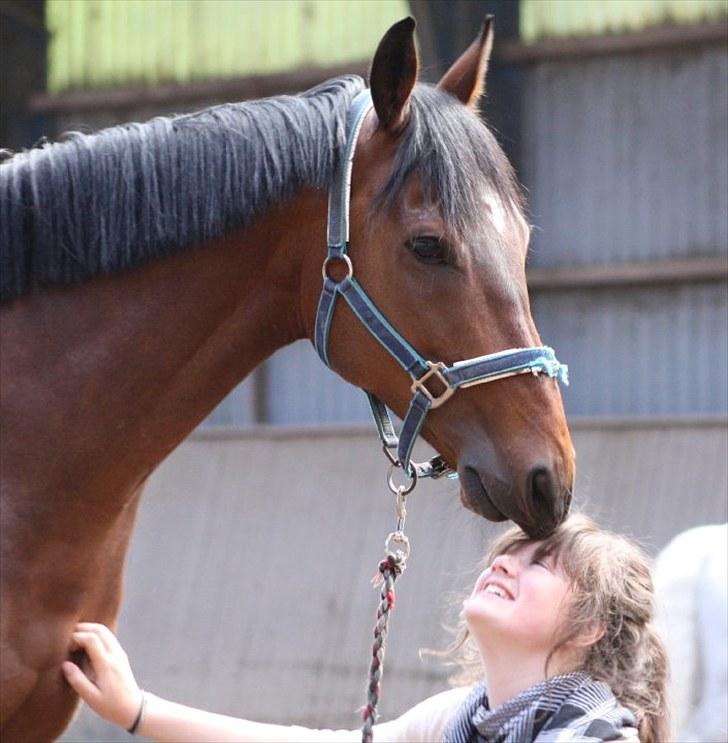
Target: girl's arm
(168, 721)
(113, 693)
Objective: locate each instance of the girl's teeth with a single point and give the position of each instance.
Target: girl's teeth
(494, 589)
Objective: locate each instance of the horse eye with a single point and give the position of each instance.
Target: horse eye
(430, 250)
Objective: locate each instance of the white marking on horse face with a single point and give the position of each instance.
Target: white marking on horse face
(497, 212)
(507, 216)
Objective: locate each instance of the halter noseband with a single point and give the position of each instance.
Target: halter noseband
(535, 360)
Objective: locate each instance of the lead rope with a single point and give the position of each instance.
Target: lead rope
(396, 552)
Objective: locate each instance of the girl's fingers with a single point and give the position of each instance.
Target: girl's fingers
(105, 635)
(91, 643)
(88, 691)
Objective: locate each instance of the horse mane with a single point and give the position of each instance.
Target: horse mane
(99, 203)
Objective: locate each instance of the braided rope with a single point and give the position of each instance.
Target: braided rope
(390, 568)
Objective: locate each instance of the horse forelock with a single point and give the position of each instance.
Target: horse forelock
(459, 164)
(99, 203)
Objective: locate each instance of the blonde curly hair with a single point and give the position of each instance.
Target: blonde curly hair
(612, 589)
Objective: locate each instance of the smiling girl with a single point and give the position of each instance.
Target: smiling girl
(557, 645)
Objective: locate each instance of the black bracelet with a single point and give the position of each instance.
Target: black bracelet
(138, 720)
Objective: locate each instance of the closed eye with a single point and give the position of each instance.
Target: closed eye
(430, 250)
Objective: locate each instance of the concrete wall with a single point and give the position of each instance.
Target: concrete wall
(248, 578)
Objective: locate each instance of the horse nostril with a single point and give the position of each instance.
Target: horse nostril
(546, 508)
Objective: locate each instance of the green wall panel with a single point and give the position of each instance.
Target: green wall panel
(97, 43)
(560, 18)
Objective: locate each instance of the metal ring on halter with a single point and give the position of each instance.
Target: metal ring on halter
(401, 489)
(392, 459)
(400, 538)
(340, 257)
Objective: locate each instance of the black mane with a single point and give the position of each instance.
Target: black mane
(96, 204)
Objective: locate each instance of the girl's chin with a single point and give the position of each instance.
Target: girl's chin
(482, 612)
(476, 611)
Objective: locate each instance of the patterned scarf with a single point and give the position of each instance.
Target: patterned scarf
(569, 707)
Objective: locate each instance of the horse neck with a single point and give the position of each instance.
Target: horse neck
(135, 361)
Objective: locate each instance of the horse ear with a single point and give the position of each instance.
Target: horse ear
(466, 78)
(393, 75)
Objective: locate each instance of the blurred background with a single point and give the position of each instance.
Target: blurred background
(247, 584)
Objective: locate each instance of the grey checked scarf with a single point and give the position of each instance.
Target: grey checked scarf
(570, 707)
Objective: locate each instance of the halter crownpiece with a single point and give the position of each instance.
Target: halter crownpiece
(508, 363)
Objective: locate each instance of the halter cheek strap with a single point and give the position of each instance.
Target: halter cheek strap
(425, 374)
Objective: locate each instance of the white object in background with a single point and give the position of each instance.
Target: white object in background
(691, 585)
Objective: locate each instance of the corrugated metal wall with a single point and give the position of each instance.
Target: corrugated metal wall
(98, 43)
(640, 351)
(560, 18)
(626, 157)
(626, 160)
(248, 587)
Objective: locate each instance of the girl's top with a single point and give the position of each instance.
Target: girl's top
(569, 707)
(572, 707)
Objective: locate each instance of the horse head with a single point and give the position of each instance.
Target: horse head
(439, 241)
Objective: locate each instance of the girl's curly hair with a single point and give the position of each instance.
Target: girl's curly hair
(612, 593)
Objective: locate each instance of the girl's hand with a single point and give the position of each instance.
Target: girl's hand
(113, 693)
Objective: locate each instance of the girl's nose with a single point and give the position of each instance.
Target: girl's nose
(504, 564)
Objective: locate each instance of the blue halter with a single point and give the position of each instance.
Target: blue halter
(535, 360)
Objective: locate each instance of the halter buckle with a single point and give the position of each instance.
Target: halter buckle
(436, 371)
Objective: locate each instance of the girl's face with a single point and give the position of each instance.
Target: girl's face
(519, 601)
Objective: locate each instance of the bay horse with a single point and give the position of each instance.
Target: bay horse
(148, 268)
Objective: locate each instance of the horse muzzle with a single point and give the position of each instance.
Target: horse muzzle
(537, 500)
